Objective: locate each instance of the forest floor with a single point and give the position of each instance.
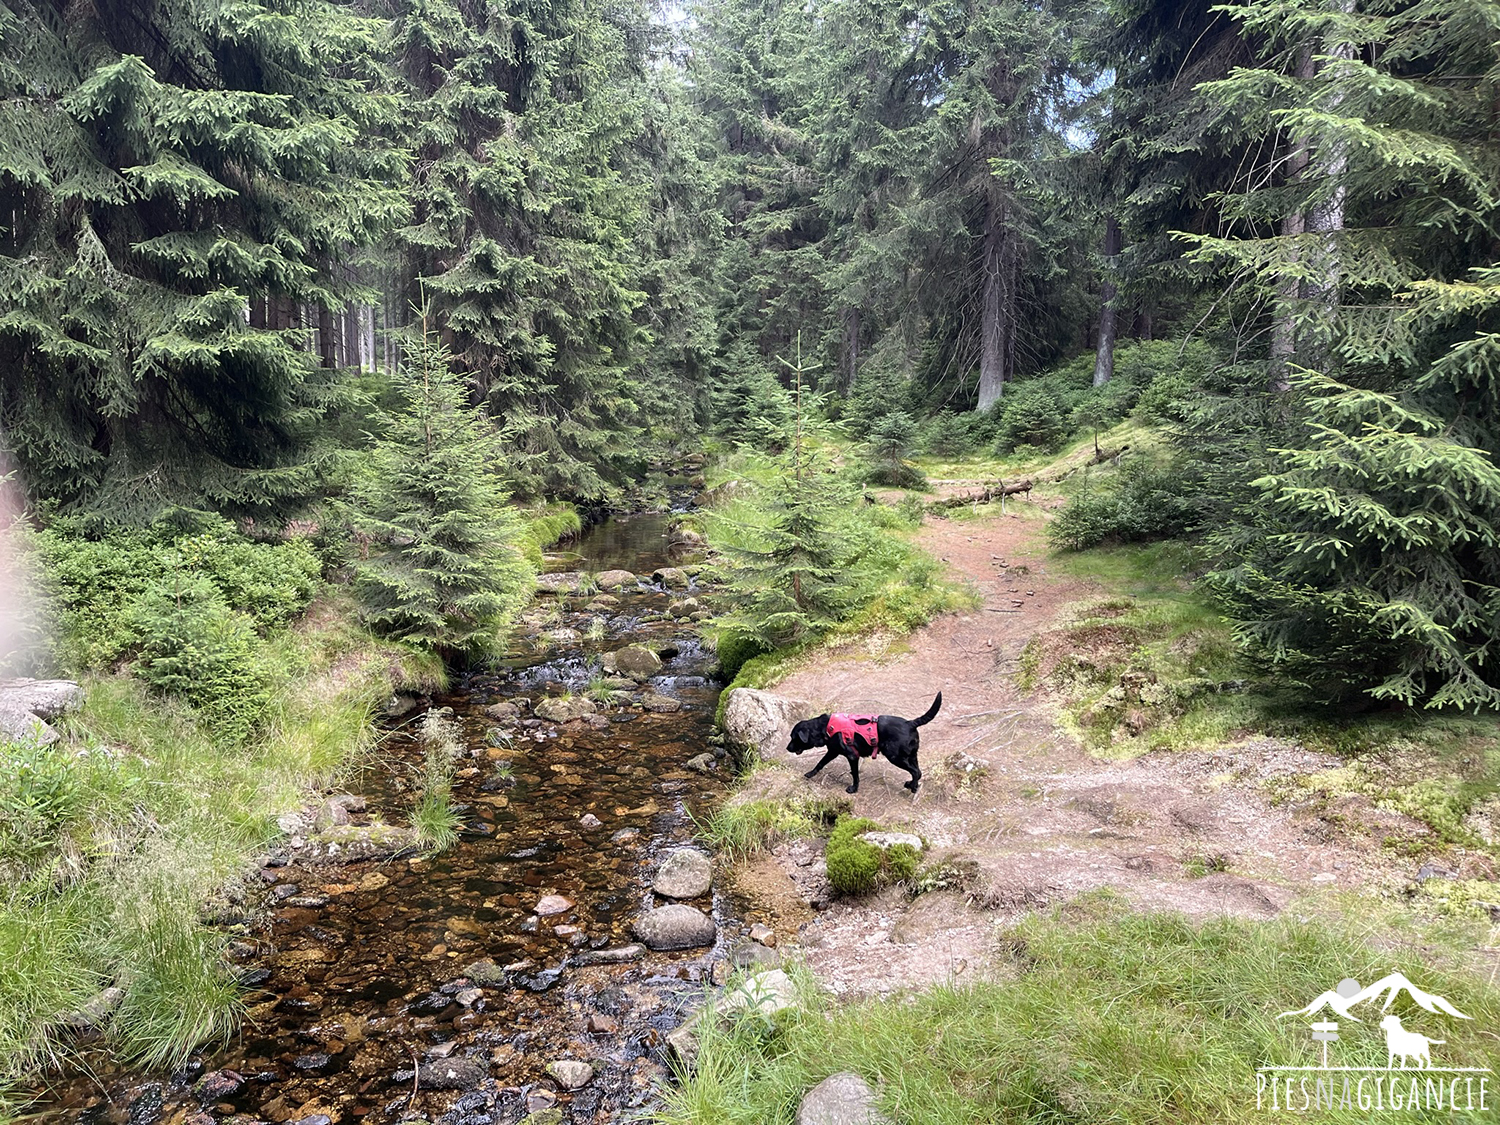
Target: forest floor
(1021, 811)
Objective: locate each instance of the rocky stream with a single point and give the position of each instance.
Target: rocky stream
(508, 978)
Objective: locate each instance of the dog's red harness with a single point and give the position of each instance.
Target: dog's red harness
(847, 726)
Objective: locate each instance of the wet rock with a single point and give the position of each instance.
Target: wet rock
(539, 981)
(763, 935)
(542, 1101)
(702, 763)
(675, 927)
(570, 1074)
(353, 843)
(308, 902)
(504, 712)
(685, 608)
(635, 661)
(564, 709)
(565, 582)
(553, 904)
(600, 1024)
(430, 1004)
(451, 1074)
(671, 577)
(624, 835)
(94, 1014)
(762, 719)
(314, 1119)
(401, 704)
(285, 891)
(885, 840)
(684, 873)
(468, 997)
(615, 579)
(840, 1099)
(589, 820)
(313, 1063)
(663, 704)
(617, 956)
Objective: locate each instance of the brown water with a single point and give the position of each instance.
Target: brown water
(360, 969)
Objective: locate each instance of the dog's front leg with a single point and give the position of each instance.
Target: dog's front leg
(817, 769)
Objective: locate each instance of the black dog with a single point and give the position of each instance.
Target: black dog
(865, 736)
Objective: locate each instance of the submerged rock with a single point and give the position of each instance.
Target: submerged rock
(675, 927)
(570, 1074)
(684, 873)
(451, 1074)
(840, 1099)
(564, 709)
(617, 956)
(665, 704)
(553, 904)
(702, 763)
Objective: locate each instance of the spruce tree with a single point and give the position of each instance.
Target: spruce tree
(440, 562)
(1366, 559)
(178, 185)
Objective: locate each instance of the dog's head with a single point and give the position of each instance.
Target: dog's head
(808, 734)
(1391, 1023)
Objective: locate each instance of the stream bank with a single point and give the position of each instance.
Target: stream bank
(443, 988)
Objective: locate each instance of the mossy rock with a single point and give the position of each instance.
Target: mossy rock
(856, 866)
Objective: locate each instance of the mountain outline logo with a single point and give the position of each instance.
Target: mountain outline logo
(1411, 1077)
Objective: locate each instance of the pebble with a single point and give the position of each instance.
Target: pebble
(553, 904)
(589, 820)
(763, 934)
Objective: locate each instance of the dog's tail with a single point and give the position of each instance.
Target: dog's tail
(931, 711)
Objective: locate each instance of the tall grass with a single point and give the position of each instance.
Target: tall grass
(1105, 1017)
(159, 814)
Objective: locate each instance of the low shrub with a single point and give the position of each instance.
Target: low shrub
(191, 644)
(1148, 502)
(1032, 416)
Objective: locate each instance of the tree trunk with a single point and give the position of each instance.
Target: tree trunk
(851, 348)
(1104, 357)
(995, 303)
(1293, 226)
(1326, 216)
(326, 349)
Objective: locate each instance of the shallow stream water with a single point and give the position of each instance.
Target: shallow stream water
(356, 972)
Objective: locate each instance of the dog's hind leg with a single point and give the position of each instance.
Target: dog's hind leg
(916, 778)
(854, 773)
(817, 769)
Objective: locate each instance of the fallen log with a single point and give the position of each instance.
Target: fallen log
(984, 496)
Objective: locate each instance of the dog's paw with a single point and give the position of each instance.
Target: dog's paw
(852, 789)
(811, 773)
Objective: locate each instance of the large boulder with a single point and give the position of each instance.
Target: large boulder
(840, 1099)
(614, 579)
(675, 927)
(565, 582)
(763, 719)
(27, 706)
(564, 709)
(635, 661)
(684, 873)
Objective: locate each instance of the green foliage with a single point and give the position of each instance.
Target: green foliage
(742, 825)
(444, 565)
(1147, 501)
(191, 644)
(1031, 415)
(40, 792)
(164, 176)
(546, 527)
(96, 582)
(889, 443)
(733, 649)
(1379, 557)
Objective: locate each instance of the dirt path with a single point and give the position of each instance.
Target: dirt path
(1029, 815)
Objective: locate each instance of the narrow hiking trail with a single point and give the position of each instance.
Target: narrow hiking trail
(1031, 816)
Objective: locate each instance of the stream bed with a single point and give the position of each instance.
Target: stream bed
(358, 972)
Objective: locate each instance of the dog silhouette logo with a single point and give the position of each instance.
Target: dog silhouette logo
(1411, 1078)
